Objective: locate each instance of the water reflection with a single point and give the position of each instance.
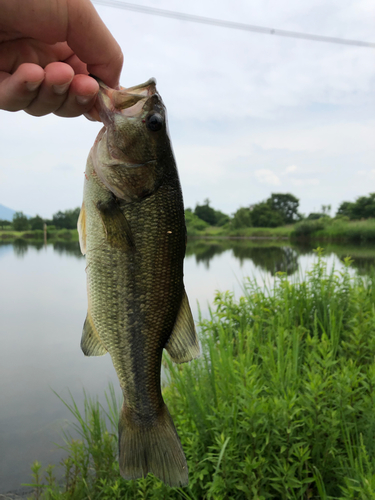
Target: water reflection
(272, 258)
(275, 256)
(362, 256)
(21, 246)
(68, 247)
(269, 256)
(205, 250)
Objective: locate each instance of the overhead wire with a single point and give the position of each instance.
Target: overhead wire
(229, 24)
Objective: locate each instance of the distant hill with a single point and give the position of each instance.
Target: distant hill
(6, 213)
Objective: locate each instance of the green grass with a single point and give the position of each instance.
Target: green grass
(280, 405)
(282, 232)
(336, 230)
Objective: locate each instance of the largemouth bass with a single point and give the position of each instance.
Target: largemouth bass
(132, 231)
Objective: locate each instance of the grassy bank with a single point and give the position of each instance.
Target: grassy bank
(38, 235)
(280, 405)
(331, 230)
(336, 230)
(282, 232)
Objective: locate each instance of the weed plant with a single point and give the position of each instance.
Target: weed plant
(279, 406)
(336, 229)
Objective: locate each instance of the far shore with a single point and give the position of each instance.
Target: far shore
(329, 230)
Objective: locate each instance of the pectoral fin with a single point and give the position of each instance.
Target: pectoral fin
(117, 228)
(183, 344)
(81, 226)
(91, 344)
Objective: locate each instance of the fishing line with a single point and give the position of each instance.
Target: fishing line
(230, 24)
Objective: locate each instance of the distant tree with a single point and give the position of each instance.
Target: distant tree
(67, 219)
(346, 209)
(221, 218)
(20, 222)
(4, 223)
(206, 213)
(36, 222)
(242, 218)
(286, 205)
(315, 216)
(210, 215)
(362, 208)
(263, 215)
(326, 209)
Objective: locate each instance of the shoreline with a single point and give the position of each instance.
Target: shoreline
(348, 232)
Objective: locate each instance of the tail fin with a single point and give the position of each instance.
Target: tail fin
(154, 448)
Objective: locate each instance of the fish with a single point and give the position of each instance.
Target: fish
(133, 234)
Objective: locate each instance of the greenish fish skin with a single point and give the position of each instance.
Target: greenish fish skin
(132, 231)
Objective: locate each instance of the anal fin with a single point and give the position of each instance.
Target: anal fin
(183, 344)
(91, 344)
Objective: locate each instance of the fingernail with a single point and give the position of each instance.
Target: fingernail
(61, 89)
(84, 99)
(32, 86)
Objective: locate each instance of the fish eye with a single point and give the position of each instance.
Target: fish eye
(154, 122)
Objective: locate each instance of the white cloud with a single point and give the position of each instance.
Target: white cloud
(290, 169)
(267, 177)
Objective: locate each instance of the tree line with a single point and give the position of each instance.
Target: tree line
(278, 210)
(60, 220)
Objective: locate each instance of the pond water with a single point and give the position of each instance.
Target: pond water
(42, 309)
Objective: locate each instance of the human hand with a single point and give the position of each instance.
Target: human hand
(47, 50)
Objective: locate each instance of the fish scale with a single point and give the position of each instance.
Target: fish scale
(133, 233)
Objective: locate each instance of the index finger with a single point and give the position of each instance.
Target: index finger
(73, 21)
(90, 39)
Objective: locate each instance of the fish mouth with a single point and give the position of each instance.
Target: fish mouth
(125, 101)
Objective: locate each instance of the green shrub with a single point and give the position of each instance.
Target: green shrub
(194, 223)
(241, 218)
(361, 231)
(33, 235)
(279, 406)
(306, 227)
(65, 234)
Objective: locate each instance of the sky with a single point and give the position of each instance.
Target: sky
(249, 114)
